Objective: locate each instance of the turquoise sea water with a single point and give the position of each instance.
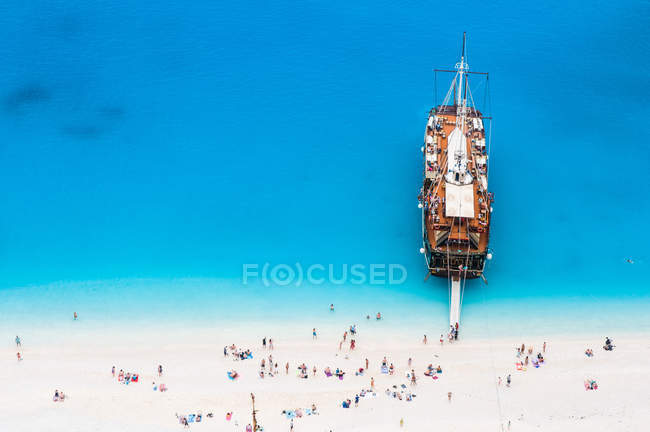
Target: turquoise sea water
(148, 151)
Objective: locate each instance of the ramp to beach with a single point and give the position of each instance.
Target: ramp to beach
(454, 305)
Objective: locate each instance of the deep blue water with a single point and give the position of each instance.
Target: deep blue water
(143, 143)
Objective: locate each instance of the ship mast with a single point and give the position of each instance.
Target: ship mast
(457, 172)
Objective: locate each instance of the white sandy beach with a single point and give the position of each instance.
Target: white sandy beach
(551, 397)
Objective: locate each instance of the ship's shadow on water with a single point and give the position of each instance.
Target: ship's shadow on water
(24, 96)
(99, 120)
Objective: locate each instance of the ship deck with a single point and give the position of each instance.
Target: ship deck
(437, 224)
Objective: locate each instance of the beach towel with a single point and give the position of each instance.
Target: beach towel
(384, 370)
(134, 378)
(190, 418)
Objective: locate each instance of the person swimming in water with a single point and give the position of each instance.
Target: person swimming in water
(332, 307)
(378, 315)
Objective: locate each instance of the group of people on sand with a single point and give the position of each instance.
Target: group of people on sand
(536, 361)
(19, 344)
(273, 368)
(400, 393)
(264, 344)
(338, 373)
(185, 420)
(125, 378)
(237, 354)
(433, 372)
(299, 412)
(59, 396)
(609, 344)
(453, 333)
(591, 384)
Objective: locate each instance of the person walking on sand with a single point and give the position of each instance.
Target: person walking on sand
(441, 340)
(366, 364)
(18, 356)
(508, 380)
(449, 396)
(264, 343)
(544, 347)
(499, 381)
(313, 333)
(413, 379)
(160, 370)
(424, 341)
(271, 344)
(113, 371)
(225, 351)
(18, 344)
(372, 383)
(314, 370)
(286, 367)
(345, 335)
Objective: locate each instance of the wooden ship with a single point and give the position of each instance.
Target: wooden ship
(455, 201)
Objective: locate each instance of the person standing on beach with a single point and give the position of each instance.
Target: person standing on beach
(413, 379)
(18, 356)
(345, 335)
(113, 371)
(424, 341)
(160, 370)
(225, 351)
(313, 333)
(18, 344)
(544, 347)
(286, 367)
(270, 344)
(441, 340)
(499, 381)
(366, 364)
(449, 396)
(314, 370)
(410, 360)
(508, 380)
(372, 383)
(264, 343)
(356, 401)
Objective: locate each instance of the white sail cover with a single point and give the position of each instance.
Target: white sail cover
(457, 171)
(459, 200)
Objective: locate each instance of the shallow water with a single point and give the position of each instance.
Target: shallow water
(157, 148)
